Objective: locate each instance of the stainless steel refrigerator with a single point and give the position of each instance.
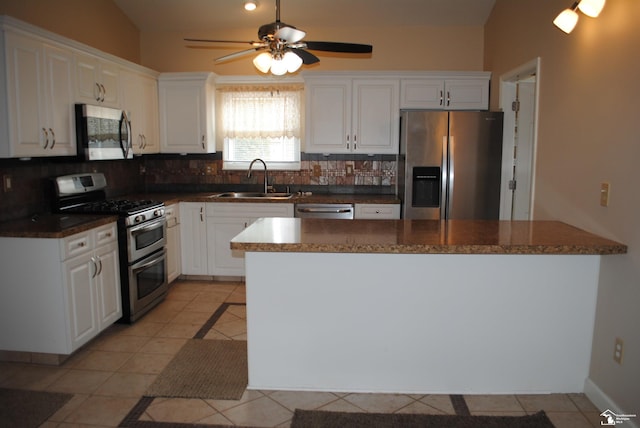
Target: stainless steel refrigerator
(449, 165)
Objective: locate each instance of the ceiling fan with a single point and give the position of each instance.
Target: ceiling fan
(284, 47)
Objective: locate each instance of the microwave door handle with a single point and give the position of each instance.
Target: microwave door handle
(126, 144)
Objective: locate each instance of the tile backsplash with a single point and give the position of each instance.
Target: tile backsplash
(32, 191)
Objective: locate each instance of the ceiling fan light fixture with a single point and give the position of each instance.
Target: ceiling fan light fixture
(263, 62)
(278, 67)
(567, 19)
(292, 61)
(250, 5)
(591, 8)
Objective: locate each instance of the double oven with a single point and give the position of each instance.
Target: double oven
(142, 234)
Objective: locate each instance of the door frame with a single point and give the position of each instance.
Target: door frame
(509, 81)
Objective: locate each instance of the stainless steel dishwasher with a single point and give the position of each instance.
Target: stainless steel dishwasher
(339, 211)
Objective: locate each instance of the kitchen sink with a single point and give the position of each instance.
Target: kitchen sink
(251, 195)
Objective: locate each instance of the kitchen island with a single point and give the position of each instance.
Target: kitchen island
(420, 306)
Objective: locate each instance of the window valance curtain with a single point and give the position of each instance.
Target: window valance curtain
(260, 111)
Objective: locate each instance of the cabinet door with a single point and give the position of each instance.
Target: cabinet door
(328, 116)
(97, 81)
(193, 239)
(25, 71)
(174, 263)
(376, 116)
(186, 116)
(467, 94)
(107, 284)
(223, 261)
(140, 100)
(81, 297)
(60, 119)
(422, 94)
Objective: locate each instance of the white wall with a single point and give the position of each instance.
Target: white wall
(589, 132)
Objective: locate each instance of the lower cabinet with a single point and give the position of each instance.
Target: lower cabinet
(207, 228)
(174, 257)
(377, 211)
(226, 220)
(58, 294)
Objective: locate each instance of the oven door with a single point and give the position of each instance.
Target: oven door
(146, 238)
(148, 284)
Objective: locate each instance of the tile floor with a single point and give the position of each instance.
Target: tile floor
(108, 377)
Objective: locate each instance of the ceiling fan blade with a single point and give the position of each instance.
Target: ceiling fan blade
(236, 55)
(339, 47)
(307, 57)
(289, 34)
(252, 43)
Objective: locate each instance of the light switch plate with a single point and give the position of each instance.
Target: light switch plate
(604, 194)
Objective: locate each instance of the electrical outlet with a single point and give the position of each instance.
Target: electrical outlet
(317, 170)
(618, 349)
(604, 194)
(349, 169)
(6, 183)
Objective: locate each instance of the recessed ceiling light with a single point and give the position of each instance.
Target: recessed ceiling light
(250, 5)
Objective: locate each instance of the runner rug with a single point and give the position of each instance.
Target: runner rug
(207, 369)
(25, 409)
(322, 419)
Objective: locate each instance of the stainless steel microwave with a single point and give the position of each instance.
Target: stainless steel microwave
(103, 133)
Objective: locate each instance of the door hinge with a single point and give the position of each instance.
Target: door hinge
(512, 184)
(515, 106)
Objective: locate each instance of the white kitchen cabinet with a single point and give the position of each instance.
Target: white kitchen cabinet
(37, 119)
(193, 238)
(445, 94)
(174, 257)
(352, 115)
(97, 81)
(225, 221)
(187, 112)
(377, 211)
(140, 100)
(58, 294)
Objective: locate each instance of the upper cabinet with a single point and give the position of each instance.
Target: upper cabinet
(97, 81)
(352, 115)
(187, 113)
(36, 115)
(140, 100)
(466, 92)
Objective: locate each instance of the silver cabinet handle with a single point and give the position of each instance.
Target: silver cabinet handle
(53, 138)
(448, 98)
(95, 267)
(441, 97)
(104, 92)
(100, 270)
(201, 214)
(203, 148)
(99, 92)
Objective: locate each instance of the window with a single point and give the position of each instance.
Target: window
(259, 122)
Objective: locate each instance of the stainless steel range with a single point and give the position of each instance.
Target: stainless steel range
(142, 233)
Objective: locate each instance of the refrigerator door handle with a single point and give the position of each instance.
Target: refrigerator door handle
(444, 188)
(452, 180)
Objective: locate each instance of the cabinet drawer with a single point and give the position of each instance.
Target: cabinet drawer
(75, 245)
(106, 234)
(230, 209)
(377, 211)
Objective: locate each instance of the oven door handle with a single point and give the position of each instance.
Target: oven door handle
(146, 264)
(148, 227)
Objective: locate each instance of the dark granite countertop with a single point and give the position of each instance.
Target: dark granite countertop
(53, 225)
(421, 237)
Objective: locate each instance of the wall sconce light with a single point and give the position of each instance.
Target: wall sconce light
(250, 5)
(568, 18)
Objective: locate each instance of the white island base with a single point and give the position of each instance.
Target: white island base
(420, 323)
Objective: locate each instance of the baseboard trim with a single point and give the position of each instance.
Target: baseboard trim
(603, 402)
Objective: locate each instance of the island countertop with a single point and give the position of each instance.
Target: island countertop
(421, 237)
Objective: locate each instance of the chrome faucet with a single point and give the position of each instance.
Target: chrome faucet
(266, 185)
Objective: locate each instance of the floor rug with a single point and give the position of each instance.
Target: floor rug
(207, 369)
(22, 408)
(321, 419)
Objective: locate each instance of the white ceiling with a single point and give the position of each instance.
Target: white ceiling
(208, 15)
